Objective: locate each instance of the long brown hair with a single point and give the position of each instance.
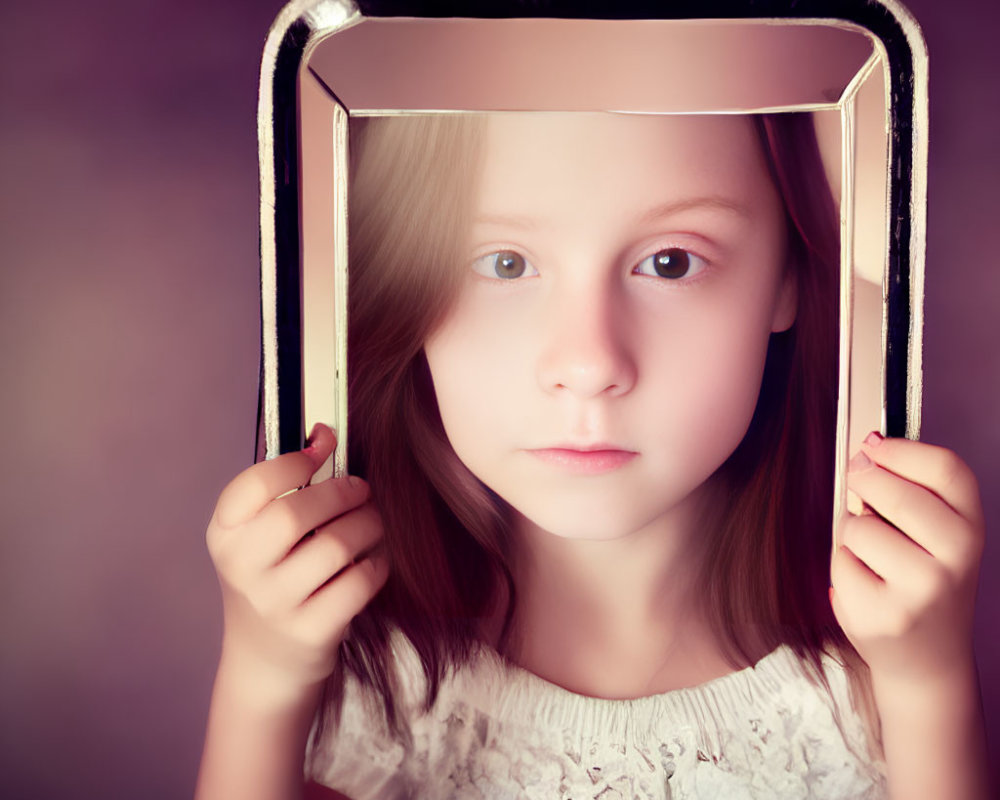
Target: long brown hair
(446, 536)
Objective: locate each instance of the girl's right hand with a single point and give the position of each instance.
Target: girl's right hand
(288, 597)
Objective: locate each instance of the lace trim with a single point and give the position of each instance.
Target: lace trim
(498, 731)
(509, 694)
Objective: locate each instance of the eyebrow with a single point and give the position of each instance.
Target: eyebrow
(506, 220)
(661, 211)
(709, 201)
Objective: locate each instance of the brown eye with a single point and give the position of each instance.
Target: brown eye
(673, 262)
(505, 265)
(509, 265)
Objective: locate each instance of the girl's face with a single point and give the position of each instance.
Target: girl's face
(605, 353)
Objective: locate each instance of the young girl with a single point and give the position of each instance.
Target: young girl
(592, 388)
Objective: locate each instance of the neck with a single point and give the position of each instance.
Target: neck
(615, 618)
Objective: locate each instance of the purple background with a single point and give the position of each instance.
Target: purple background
(128, 292)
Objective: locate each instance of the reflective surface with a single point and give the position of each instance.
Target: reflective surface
(378, 67)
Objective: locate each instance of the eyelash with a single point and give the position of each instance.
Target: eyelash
(490, 270)
(689, 257)
(490, 261)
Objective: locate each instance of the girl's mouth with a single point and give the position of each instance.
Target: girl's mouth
(585, 461)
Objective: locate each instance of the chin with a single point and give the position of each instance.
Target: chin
(585, 524)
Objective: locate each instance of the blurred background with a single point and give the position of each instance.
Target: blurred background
(129, 356)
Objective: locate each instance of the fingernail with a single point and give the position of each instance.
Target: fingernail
(874, 438)
(355, 481)
(859, 462)
(310, 441)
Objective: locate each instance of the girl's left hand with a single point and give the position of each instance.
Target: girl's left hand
(905, 572)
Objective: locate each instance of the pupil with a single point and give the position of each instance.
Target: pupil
(509, 265)
(672, 263)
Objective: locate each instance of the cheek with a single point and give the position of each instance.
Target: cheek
(735, 350)
(732, 384)
(473, 368)
(706, 391)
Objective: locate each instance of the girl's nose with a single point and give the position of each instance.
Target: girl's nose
(586, 351)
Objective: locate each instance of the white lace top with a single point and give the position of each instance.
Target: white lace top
(498, 732)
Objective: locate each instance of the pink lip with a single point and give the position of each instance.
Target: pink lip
(585, 460)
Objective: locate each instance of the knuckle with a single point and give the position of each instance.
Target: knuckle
(859, 533)
(232, 487)
(850, 531)
(893, 507)
(968, 546)
(335, 550)
(214, 542)
(254, 480)
(949, 463)
(356, 528)
(224, 552)
(374, 572)
(282, 517)
(227, 514)
(251, 481)
(371, 518)
(952, 469)
(369, 522)
(356, 597)
(341, 493)
(359, 588)
(380, 568)
(333, 496)
(839, 565)
(230, 509)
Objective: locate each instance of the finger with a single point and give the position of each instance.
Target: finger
(883, 549)
(938, 469)
(856, 590)
(919, 513)
(255, 487)
(340, 600)
(280, 526)
(322, 556)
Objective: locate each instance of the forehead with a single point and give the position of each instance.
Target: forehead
(538, 162)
